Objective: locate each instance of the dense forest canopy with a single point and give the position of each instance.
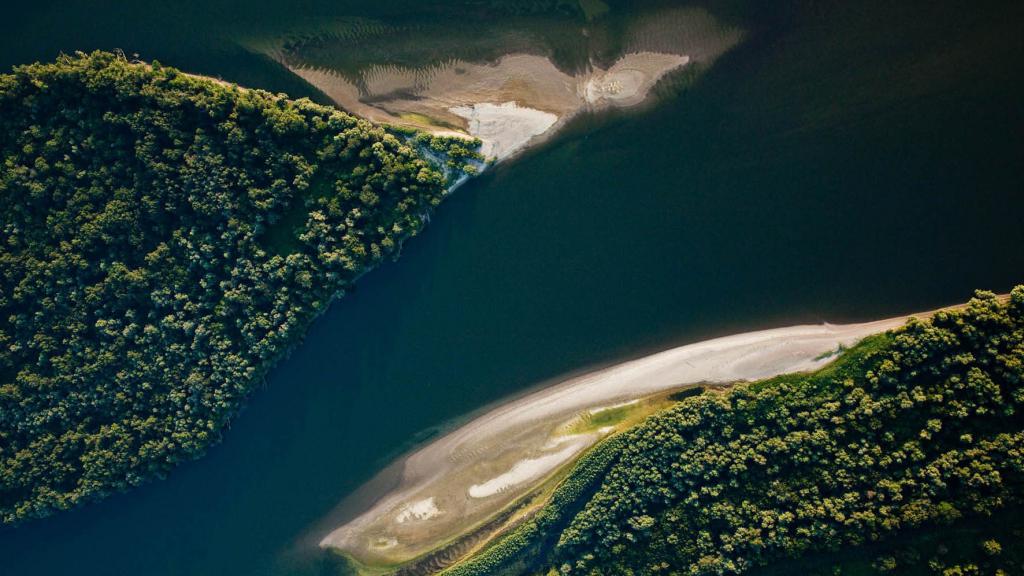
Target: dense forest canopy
(164, 239)
(911, 443)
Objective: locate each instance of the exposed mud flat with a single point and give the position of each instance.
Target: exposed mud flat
(521, 97)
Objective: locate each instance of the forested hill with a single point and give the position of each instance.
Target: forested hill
(163, 239)
(905, 456)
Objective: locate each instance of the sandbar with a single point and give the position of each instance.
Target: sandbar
(472, 473)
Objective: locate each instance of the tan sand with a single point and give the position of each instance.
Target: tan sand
(417, 511)
(521, 99)
(508, 105)
(629, 80)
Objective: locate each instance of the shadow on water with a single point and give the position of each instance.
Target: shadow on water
(852, 160)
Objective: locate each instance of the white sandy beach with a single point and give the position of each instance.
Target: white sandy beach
(504, 128)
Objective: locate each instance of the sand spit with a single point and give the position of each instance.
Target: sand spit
(480, 468)
(508, 105)
(520, 99)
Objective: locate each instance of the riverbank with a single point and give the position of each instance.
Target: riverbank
(457, 484)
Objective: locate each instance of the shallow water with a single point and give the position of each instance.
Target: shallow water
(853, 165)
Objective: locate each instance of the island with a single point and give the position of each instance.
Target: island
(557, 465)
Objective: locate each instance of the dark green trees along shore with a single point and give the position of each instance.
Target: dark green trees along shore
(163, 239)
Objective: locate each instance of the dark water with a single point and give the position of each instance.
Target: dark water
(851, 160)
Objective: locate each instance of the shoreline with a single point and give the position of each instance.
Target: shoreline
(519, 99)
(480, 101)
(515, 447)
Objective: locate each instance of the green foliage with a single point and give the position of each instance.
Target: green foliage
(458, 156)
(987, 545)
(915, 430)
(146, 282)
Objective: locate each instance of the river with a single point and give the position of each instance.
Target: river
(848, 166)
